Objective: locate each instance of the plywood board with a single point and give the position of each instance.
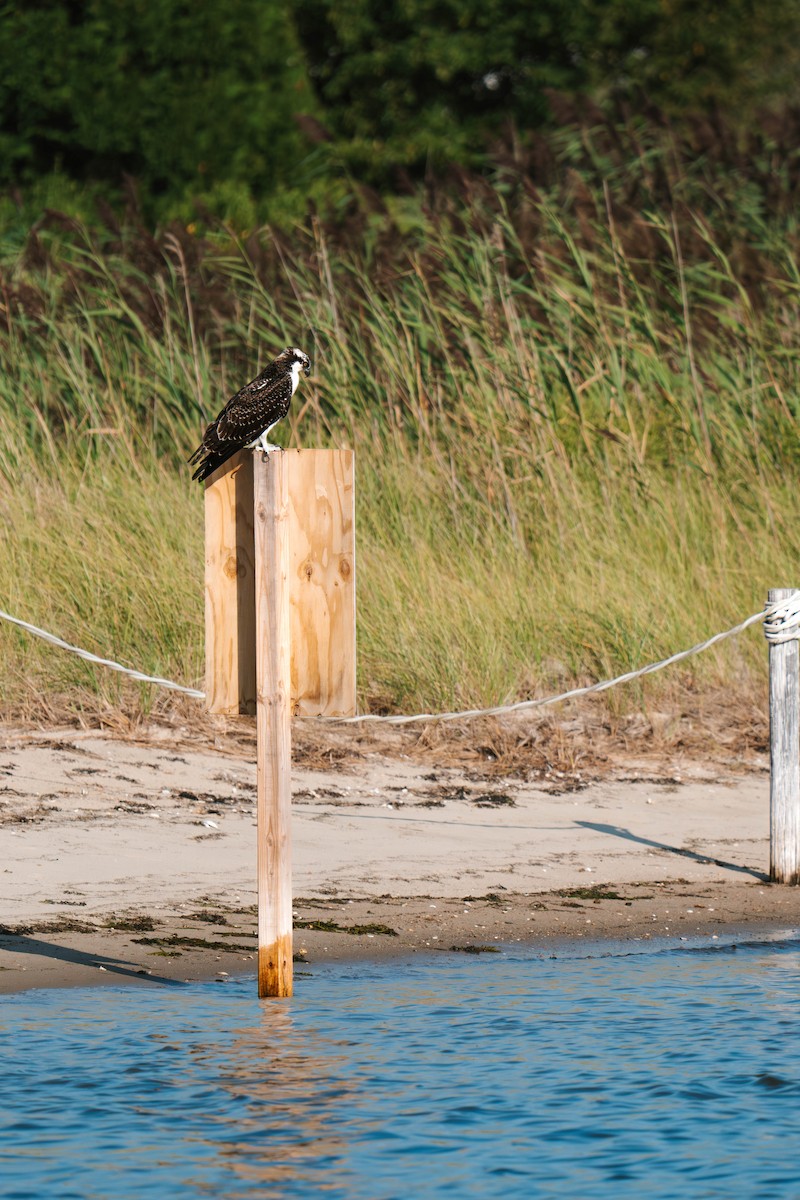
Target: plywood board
(230, 588)
(322, 581)
(322, 584)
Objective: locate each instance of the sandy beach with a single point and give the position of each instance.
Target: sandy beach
(133, 857)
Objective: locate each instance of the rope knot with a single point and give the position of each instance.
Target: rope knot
(782, 620)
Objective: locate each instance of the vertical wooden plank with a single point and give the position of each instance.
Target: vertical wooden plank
(323, 582)
(273, 717)
(784, 752)
(230, 588)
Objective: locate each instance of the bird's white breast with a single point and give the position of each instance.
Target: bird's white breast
(295, 373)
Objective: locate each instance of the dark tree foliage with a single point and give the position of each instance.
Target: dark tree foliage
(179, 94)
(224, 98)
(414, 81)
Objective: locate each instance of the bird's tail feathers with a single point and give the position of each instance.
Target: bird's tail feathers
(209, 444)
(212, 460)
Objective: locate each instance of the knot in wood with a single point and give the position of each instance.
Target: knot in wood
(233, 568)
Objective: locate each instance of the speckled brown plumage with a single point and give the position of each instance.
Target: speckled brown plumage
(251, 413)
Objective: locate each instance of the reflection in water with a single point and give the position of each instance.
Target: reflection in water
(601, 1072)
(287, 1095)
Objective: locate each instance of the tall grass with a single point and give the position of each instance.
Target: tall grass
(575, 422)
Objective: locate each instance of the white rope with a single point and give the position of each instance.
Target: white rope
(781, 624)
(103, 662)
(783, 614)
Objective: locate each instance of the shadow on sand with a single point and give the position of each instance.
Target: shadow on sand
(19, 943)
(620, 832)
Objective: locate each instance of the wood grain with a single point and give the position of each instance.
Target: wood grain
(323, 581)
(273, 724)
(322, 584)
(230, 588)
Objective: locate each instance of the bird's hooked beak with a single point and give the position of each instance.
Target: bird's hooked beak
(307, 368)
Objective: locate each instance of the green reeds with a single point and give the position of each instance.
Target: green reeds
(576, 442)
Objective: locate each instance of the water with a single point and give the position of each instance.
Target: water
(600, 1073)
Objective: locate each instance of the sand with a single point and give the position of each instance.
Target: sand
(133, 858)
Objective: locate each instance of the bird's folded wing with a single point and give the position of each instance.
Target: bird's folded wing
(254, 408)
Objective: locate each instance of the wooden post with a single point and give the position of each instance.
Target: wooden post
(784, 746)
(280, 638)
(273, 717)
(230, 588)
(322, 584)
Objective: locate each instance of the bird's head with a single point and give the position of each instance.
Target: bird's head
(292, 355)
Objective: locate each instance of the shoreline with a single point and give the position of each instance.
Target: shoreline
(219, 943)
(134, 859)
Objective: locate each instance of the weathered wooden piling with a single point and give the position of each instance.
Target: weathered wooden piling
(784, 747)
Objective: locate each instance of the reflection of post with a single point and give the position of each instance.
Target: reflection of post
(254, 1147)
(784, 745)
(273, 716)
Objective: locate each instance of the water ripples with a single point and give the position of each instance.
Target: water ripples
(673, 1074)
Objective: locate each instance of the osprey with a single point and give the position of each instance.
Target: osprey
(248, 416)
